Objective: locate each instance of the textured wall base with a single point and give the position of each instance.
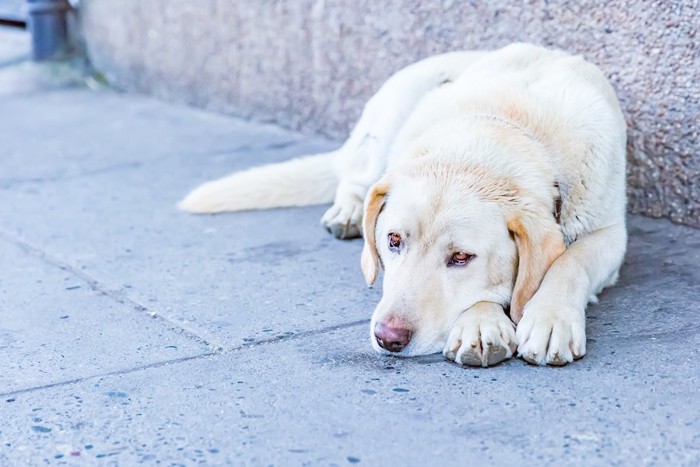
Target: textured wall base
(311, 64)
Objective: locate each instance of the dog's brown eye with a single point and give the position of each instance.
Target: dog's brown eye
(394, 242)
(460, 259)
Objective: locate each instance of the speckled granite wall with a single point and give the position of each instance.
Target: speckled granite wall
(311, 64)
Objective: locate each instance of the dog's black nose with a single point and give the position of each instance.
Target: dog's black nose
(392, 339)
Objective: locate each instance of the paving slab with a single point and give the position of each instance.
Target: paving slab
(232, 279)
(71, 133)
(56, 326)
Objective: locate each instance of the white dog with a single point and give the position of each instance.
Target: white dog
(489, 179)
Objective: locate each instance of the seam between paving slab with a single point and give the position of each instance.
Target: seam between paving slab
(10, 183)
(299, 335)
(96, 286)
(218, 352)
(105, 375)
(121, 298)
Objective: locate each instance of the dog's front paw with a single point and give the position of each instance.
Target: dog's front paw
(482, 336)
(551, 335)
(344, 219)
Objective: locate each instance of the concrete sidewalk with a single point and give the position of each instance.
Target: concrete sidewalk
(133, 333)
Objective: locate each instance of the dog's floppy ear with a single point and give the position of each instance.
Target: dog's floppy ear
(373, 206)
(540, 241)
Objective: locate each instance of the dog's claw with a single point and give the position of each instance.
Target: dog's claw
(551, 335)
(344, 231)
(482, 336)
(344, 220)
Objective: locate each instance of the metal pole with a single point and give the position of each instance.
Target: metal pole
(49, 28)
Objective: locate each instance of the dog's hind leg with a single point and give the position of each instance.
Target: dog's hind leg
(362, 159)
(553, 327)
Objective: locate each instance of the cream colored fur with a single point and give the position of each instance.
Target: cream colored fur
(272, 186)
(467, 153)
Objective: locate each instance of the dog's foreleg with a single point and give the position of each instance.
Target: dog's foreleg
(553, 327)
(363, 158)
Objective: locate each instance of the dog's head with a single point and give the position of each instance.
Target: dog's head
(449, 236)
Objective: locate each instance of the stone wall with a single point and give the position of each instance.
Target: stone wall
(311, 64)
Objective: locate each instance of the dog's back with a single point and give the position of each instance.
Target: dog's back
(564, 102)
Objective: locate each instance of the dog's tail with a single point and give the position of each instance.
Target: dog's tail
(297, 182)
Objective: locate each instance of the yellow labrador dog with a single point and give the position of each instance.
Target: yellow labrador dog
(480, 181)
